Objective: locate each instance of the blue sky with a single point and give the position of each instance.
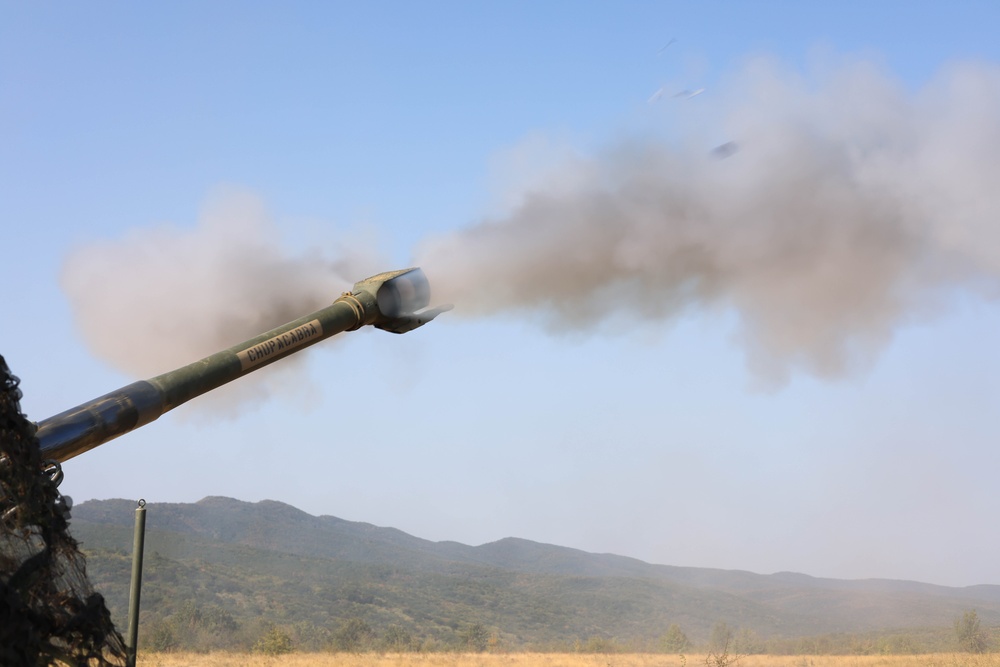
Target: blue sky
(371, 129)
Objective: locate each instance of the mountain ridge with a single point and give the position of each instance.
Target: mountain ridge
(536, 592)
(90, 510)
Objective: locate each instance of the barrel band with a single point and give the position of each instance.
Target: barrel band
(356, 306)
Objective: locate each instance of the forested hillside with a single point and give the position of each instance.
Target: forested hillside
(225, 573)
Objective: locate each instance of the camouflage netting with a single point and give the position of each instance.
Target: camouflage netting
(48, 612)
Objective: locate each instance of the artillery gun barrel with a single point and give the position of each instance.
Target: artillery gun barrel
(395, 301)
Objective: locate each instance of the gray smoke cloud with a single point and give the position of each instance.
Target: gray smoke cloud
(165, 296)
(844, 207)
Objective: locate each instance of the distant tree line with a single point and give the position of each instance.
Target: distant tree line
(211, 627)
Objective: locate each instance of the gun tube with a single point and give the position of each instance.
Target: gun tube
(91, 424)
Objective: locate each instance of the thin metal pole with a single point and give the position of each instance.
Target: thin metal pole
(133, 597)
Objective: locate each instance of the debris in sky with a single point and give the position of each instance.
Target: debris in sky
(672, 40)
(657, 95)
(688, 94)
(725, 150)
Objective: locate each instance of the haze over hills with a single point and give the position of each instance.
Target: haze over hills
(272, 561)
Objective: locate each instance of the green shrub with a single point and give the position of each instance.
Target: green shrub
(274, 641)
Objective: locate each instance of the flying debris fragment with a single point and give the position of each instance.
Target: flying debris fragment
(688, 94)
(657, 95)
(672, 40)
(725, 150)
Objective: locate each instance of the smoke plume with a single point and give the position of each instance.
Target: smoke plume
(165, 296)
(827, 212)
(840, 208)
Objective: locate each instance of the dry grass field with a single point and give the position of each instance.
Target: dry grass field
(553, 660)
